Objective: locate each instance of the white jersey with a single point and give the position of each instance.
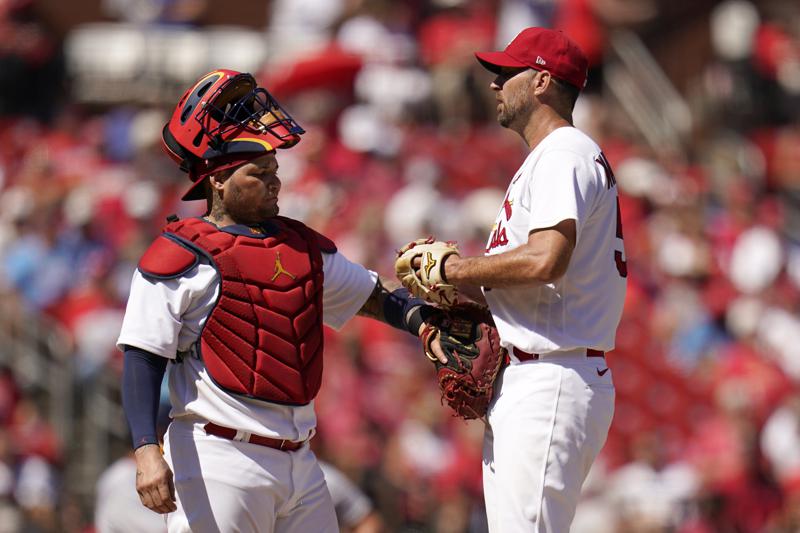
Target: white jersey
(166, 317)
(564, 177)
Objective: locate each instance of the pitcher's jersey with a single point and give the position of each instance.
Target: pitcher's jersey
(566, 176)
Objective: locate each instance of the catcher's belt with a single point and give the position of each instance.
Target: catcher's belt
(232, 434)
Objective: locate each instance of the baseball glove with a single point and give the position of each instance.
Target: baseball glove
(474, 357)
(428, 282)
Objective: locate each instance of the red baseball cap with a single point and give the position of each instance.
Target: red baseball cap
(541, 49)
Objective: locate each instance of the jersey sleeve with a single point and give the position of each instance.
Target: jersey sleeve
(347, 286)
(155, 309)
(563, 186)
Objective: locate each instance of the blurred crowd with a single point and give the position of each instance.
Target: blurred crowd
(401, 142)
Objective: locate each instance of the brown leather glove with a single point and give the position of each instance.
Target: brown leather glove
(471, 343)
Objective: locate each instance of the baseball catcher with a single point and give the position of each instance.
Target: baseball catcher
(235, 302)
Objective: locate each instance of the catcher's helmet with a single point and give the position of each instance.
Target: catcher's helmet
(223, 120)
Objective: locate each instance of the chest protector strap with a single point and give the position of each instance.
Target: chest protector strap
(264, 336)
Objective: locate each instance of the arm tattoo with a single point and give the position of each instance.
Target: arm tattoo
(373, 307)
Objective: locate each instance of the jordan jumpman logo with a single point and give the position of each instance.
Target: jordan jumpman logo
(280, 270)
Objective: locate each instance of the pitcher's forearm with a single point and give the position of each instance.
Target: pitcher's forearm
(503, 270)
(544, 258)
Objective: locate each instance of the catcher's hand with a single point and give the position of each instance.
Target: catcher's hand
(154, 480)
(469, 340)
(427, 281)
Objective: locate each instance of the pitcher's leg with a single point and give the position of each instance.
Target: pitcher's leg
(521, 422)
(490, 493)
(583, 418)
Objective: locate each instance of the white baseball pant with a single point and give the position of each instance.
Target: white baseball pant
(547, 423)
(224, 486)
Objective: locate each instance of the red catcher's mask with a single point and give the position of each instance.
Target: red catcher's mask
(224, 120)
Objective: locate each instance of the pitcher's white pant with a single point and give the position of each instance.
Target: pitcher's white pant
(224, 486)
(548, 422)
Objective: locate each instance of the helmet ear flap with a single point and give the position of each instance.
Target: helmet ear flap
(176, 151)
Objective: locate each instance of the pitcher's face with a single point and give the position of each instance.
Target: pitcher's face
(515, 103)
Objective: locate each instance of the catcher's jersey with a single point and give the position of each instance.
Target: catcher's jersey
(566, 176)
(166, 318)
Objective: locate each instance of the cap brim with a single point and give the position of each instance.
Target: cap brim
(496, 61)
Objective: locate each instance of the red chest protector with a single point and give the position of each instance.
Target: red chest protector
(263, 338)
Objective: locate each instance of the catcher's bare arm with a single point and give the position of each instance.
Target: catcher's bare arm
(373, 307)
(388, 300)
(543, 259)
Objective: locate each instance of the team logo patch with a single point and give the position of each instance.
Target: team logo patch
(280, 270)
(507, 207)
